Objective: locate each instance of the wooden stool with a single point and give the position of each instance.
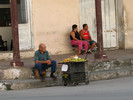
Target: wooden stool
(37, 73)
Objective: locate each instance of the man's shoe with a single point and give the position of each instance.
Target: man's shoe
(53, 77)
(89, 51)
(42, 78)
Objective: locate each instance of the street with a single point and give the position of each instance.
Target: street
(115, 89)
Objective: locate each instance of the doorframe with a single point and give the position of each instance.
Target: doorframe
(30, 18)
(120, 24)
(29, 23)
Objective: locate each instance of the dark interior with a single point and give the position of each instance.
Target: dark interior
(5, 17)
(4, 2)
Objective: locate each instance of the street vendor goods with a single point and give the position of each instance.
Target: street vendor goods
(74, 59)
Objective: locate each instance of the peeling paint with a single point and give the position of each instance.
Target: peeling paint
(125, 23)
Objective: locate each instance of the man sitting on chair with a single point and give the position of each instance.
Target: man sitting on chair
(84, 33)
(43, 61)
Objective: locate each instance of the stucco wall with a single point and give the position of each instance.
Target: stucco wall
(52, 23)
(129, 23)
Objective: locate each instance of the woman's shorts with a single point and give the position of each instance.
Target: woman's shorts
(91, 42)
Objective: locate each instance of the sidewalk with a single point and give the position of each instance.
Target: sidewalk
(112, 55)
(119, 64)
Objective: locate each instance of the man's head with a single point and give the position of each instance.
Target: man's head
(85, 26)
(42, 47)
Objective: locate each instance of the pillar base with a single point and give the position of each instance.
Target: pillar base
(100, 55)
(17, 63)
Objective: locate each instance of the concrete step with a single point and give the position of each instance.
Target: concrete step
(110, 74)
(19, 84)
(15, 73)
(23, 77)
(31, 83)
(12, 73)
(110, 69)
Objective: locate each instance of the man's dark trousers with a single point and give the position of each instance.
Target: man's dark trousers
(41, 67)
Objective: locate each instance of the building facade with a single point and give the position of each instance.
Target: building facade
(50, 21)
(128, 23)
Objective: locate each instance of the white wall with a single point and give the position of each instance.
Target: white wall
(53, 20)
(24, 37)
(128, 5)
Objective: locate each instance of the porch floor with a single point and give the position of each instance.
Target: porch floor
(112, 55)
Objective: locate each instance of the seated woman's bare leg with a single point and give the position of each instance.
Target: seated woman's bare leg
(79, 52)
(85, 51)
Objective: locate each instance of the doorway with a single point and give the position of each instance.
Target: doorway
(5, 26)
(88, 16)
(24, 25)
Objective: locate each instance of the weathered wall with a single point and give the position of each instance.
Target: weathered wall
(129, 22)
(52, 23)
(24, 37)
(120, 23)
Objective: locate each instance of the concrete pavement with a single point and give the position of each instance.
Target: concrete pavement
(112, 54)
(116, 89)
(118, 64)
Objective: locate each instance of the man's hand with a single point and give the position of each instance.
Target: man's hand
(49, 62)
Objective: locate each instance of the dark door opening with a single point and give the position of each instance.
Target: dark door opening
(5, 22)
(5, 25)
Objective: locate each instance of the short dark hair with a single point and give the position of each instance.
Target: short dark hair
(74, 26)
(84, 25)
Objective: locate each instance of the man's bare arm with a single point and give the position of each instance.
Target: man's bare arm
(73, 35)
(42, 62)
